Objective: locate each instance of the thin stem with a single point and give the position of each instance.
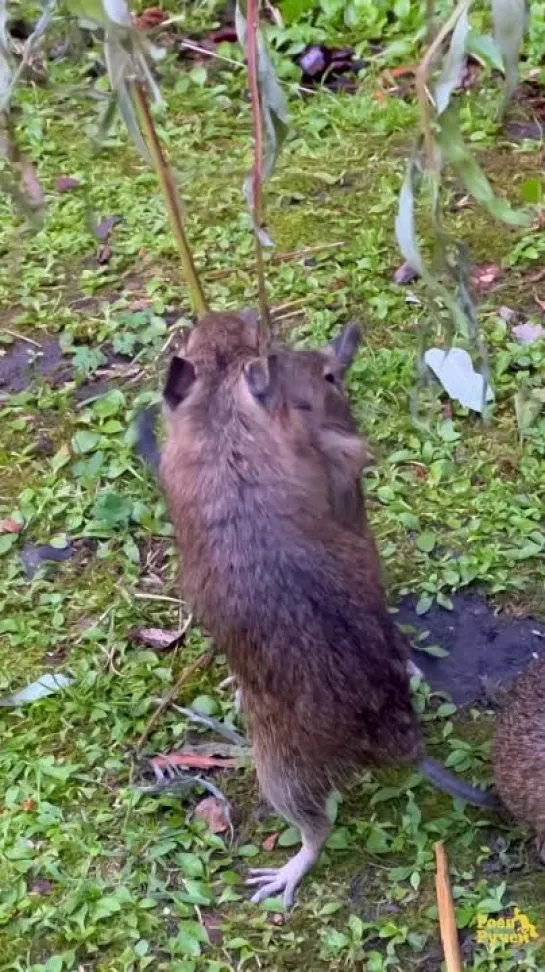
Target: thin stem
(164, 175)
(445, 907)
(422, 77)
(257, 202)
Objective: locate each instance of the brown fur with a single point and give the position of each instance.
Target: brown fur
(285, 590)
(261, 473)
(519, 749)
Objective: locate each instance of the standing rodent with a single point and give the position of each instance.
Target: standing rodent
(519, 750)
(288, 592)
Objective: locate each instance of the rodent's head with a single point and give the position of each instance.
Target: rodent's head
(295, 396)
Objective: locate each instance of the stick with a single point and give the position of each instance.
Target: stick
(164, 176)
(201, 662)
(257, 202)
(447, 921)
(422, 75)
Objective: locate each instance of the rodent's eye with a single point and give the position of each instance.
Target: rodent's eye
(330, 377)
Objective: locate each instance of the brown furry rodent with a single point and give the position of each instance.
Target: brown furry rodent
(290, 593)
(519, 750)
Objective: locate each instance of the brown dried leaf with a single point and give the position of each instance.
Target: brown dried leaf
(66, 183)
(405, 274)
(160, 639)
(195, 760)
(105, 227)
(32, 184)
(215, 812)
(270, 842)
(10, 526)
(485, 276)
(104, 255)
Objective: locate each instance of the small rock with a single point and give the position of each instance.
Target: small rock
(528, 333)
(507, 314)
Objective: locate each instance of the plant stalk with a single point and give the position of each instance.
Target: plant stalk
(256, 180)
(166, 182)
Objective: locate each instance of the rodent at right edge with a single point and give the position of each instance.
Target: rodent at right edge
(288, 591)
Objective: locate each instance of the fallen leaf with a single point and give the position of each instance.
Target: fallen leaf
(10, 526)
(41, 886)
(507, 314)
(215, 812)
(454, 369)
(484, 277)
(104, 228)
(270, 842)
(104, 255)
(43, 686)
(528, 333)
(141, 304)
(149, 18)
(160, 639)
(28, 805)
(32, 184)
(405, 274)
(66, 183)
(195, 760)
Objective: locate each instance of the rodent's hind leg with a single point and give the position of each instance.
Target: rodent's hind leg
(302, 802)
(274, 880)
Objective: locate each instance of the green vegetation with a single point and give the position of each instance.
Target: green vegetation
(94, 875)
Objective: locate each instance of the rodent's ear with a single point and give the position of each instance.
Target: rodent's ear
(341, 352)
(180, 378)
(261, 376)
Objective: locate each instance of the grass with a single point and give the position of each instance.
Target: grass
(94, 875)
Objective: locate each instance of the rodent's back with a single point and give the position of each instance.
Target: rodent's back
(519, 749)
(293, 598)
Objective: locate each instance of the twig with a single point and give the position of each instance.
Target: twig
(257, 202)
(277, 258)
(20, 337)
(164, 176)
(422, 76)
(447, 920)
(201, 662)
(142, 596)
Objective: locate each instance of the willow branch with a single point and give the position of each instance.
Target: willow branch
(168, 188)
(256, 177)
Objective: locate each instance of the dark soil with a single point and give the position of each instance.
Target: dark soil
(487, 649)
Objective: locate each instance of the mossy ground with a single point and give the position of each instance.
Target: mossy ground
(93, 876)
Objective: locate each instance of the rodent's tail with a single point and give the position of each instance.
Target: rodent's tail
(146, 443)
(452, 784)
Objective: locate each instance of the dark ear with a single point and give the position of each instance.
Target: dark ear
(261, 376)
(342, 351)
(181, 375)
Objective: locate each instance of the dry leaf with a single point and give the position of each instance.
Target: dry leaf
(507, 314)
(104, 255)
(484, 277)
(66, 183)
(405, 274)
(160, 639)
(32, 184)
(270, 842)
(528, 333)
(10, 526)
(194, 760)
(215, 812)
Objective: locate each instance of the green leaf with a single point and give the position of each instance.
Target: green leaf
(191, 865)
(7, 541)
(510, 22)
(436, 651)
(469, 171)
(106, 907)
(453, 64)
(484, 48)
(528, 406)
(294, 9)
(289, 837)
(205, 704)
(84, 441)
(199, 76)
(426, 541)
(532, 191)
(274, 110)
(112, 508)
(377, 842)
(425, 602)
